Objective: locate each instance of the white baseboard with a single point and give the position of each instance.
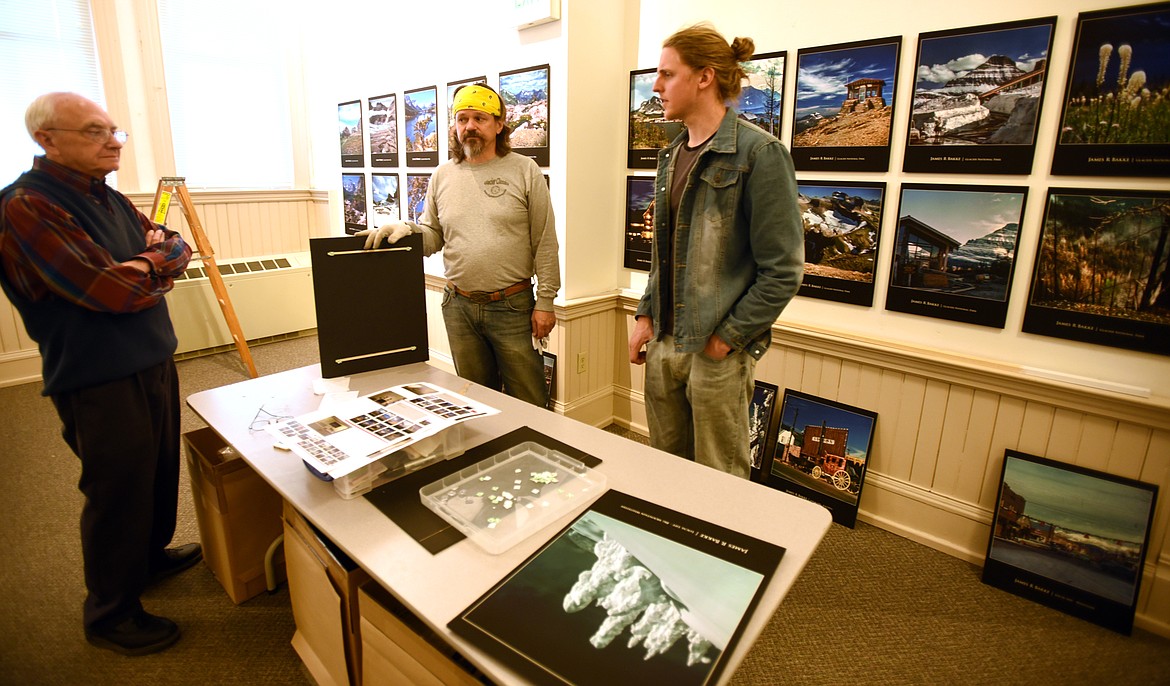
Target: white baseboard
(20, 368)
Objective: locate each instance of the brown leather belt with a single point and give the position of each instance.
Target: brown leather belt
(491, 296)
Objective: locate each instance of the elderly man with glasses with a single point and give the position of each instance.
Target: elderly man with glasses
(88, 272)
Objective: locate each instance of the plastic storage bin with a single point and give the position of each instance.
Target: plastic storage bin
(500, 501)
(442, 446)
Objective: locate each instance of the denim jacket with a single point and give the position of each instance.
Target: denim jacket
(738, 243)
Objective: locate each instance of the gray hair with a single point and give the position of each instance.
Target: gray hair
(42, 111)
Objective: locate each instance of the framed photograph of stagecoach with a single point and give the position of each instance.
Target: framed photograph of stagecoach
(1102, 270)
(1116, 115)
(1071, 538)
(842, 222)
(821, 452)
(844, 111)
(650, 130)
(977, 96)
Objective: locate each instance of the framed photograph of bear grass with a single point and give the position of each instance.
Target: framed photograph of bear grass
(650, 130)
(639, 228)
(977, 97)
(841, 237)
(1116, 115)
(526, 95)
(349, 123)
(844, 110)
(821, 453)
(1071, 538)
(1102, 271)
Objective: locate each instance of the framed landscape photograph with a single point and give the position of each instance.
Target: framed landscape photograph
(822, 450)
(630, 592)
(844, 111)
(1116, 115)
(384, 203)
(416, 195)
(639, 229)
(761, 426)
(349, 122)
(955, 252)
(977, 97)
(1071, 538)
(526, 93)
(1102, 271)
(762, 99)
(353, 201)
(420, 112)
(650, 130)
(383, 117)
(842, 230)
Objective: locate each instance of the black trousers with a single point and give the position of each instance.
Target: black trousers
(126, 434)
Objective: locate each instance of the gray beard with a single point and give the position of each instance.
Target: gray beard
(473, 147)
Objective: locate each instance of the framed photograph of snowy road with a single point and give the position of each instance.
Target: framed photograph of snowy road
(842, 222)
(631, 592)
(977, 96)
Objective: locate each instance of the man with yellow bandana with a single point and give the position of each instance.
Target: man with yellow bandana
(488, 210)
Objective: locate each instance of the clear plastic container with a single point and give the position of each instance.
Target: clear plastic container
(500, 501)
(442, 446)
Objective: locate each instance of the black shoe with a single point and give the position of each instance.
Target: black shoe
(139, 634)
(174, 561)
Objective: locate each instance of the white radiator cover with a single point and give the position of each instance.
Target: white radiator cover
(272, 295)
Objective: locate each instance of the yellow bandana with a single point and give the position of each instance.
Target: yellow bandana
(476, 98)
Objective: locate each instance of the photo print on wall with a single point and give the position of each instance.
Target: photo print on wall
(842, 221)
(977, 97)
(1102, 272)
(416, 195)
(762, 99)
(1116, 115)
(420, 112)
(1071, 538)
(844, 110)
(761, 426)
(821, 453)
(955, 252)
(453, 86)
(353, 200)
(526, 93)
(630, 592)
(384, 199)
(639, 229)
(649, 130)
(349, 122)
(383, 116)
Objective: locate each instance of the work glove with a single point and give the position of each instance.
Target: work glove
(392, 231)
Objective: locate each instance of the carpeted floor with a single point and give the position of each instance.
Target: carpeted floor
(870, 608)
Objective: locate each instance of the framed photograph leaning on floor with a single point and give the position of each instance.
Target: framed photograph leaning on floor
(1071, 538)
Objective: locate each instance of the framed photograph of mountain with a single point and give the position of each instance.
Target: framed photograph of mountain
(353, 200)
(844, 111)
(1116, 115)
(526, 94)
(416, 195)
(1071, 538)
(977, 97)
(955, 252)
(349, 122)
(821, 453)
(1102, 271)
(762, 99)
(761, 426)
(639, 230)
(630, 592)
(842, 222)
(383, 117)
(453, 86)
(384, 204)
(650, 130)
(420, 112)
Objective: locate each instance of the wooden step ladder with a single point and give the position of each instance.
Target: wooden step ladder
(169, 187)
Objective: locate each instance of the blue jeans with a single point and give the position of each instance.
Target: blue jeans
(697, 407)
(491, 344)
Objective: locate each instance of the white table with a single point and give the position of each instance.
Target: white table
(438, 587)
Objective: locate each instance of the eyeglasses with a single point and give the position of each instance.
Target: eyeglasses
(100, 135)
